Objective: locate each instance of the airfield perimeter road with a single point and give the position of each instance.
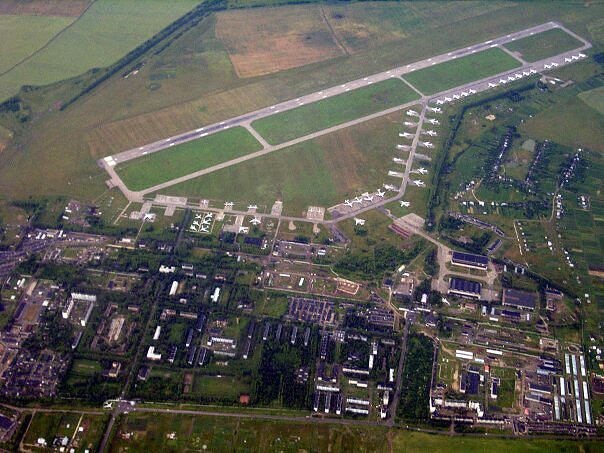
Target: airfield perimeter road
(109, 162)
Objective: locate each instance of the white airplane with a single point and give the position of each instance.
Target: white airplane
(440, 102)
(433, 121)
(465, 93)
(448, 99)
(582, 55)
(511, 78)
(532, 71)
(403, 147)
(554, 64)
(427, 144)
(456, 96)
(410, 124)
(405, 204)
(196, 223)
(568, 60)
(492, 85)
(526, 73)
(405, 135)
(193, 228)
(422, 170)
(255, 221)
(412, 113)
(398, 160)
(390, 187)
(503, 81)
(471, 91)
(546, 66)
(431, 133)
(244, 230)
(380, 193)
(228, 204)
(518, 76)
(368, 198)
(434, 109)
(348, 203)
(198, 216)
(252, 206)
(418, 182)
(359, 222)
(358, 200)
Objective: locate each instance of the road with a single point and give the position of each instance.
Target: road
(109, 163)
(399, 375)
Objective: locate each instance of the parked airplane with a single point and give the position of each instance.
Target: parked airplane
(358, 200)
(252, 206)
(359, 222)
(568, 60)
(405, 134)
(422, 170)
(427, 144)
(410, 124)
(582, 55)
(448, 99)
(433, 121)
(418, 182)
(412, 113)
(405, 204)
(228, 204)
(434, 109)
(244, 230)
(198, 216)
(492, 85)
(532, 71)
(440, 102)
(431, 133)
(465, 93)
(471, 91)
(404, 147)
(348, 203)
(255, 221)
(380, 193)
(390, 187)
(554, 64)
(503, 81)
(368, 197)
(398, 160)
(456, 96)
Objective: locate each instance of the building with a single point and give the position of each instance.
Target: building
(464, 288)
(518, 299)
(152, 355)
(469, 260)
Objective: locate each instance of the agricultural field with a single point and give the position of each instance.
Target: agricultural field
(104, 33)
(339, 109)
(23, 35)
(319, 172)
(187, 158)
(450, 74)
(262, 41)
(84, 431)
(549, 43)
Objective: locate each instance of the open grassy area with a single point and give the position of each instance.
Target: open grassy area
(108, 30)
(186, 158)
(227, 434)
(23, 35)
(329, 112)
(319, 172)
(460, 71)
(192, 82)
(572, 123)
(547, 44)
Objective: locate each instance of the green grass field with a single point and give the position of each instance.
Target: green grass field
(107, 31)
(319, 172)
(549, 43)
(187, 158)
(572, 123)
(460, 71)
(329, 112)
(594, 98)
(195, 433)
(23, 35)
(55, 424)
